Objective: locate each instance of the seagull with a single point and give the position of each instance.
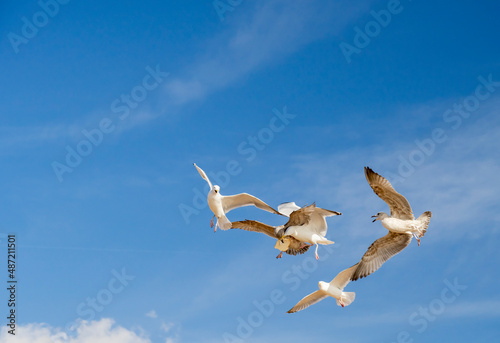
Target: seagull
(306, 224)
(333, 289)
(289, 244)
(401, 224)
(221, 204)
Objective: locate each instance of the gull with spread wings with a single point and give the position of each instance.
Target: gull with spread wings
(305, 225)
(401, 224)
(334, 289)
(222, 204)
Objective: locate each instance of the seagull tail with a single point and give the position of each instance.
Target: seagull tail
(325, 242)
(346, 298)
(224, 223)
(424, 221)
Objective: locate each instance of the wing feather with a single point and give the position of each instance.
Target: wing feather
(308, 300)
(379, 252)
(203, 175)
(344, 277)
(231, 202)
(287, 208)
(253, 225)
(400, 207)
(301, 216)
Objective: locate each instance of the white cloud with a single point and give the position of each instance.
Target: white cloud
(152, 314)
(102, 331)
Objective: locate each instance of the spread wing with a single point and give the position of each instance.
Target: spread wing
(400, 207)
(318, 221)
(253, 225)
(344, 277)
(295, 247)
(301, 216)
(379, 252)
(230, 202)
(287, 208)
(308, 300)
(203, 175)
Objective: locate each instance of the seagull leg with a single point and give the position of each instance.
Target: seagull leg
(342, 304)
(212, 221)
(279, 256)
(316, 252)
(216, 224)
(417, 238)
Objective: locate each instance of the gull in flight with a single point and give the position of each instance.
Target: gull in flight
(221, 204)
(306, 224)
(401, 224)
(333, 289)
(288, 244)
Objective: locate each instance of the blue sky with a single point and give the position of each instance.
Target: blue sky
(105, 107)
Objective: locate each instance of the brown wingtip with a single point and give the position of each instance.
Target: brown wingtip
(290, 311)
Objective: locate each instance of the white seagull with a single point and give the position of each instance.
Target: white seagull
(333, 289)
(401, 224)
(306, 224)
(220, 204)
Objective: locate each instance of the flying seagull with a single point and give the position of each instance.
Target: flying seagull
(401, 224)
(221, 204)
(306, 224)
(333, 289)
(289, 244)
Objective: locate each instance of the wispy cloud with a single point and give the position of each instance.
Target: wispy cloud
(151, 314)
(271, 31)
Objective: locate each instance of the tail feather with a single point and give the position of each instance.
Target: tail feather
(346, 298)
(424, 221)
(325, 242)
(224, 223)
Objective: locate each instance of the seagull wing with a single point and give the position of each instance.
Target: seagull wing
(301, 216)
(379, 252)
(203, 175)
(344, 277)
(253, 225)
(308, 300)
(295, 247)
(318, 222)
(287, 208)
(231, 202)
(400, 207)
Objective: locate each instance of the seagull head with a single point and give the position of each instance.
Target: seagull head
(216, 189)
(323, 286)
(380, 216)
(282, 244)
(279, 231)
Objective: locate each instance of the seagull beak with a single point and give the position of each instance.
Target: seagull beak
(374, 220)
